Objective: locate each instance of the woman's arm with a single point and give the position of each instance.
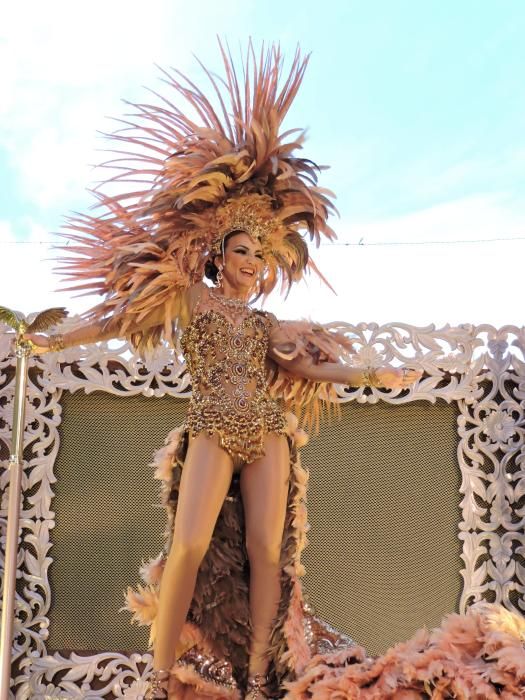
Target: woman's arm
(84, 335)
(387, 376)
(309, 362)
(295, 352)
(105, 330)
(335, 372)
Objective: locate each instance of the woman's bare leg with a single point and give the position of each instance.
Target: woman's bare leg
(264, 488)
(205, 481)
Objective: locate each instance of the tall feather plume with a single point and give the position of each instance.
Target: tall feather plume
(173, 169)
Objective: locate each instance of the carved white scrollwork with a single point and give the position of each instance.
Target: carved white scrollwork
(481, 368)
(491, 457)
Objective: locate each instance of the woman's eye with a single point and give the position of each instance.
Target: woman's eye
(243, 251)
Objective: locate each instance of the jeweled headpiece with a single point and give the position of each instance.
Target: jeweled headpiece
(248, 213)
(221, 165)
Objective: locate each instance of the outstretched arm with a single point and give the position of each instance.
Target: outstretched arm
(339, 373)
(84, 335)
(309, 363)
(106, 329)
(305, 366)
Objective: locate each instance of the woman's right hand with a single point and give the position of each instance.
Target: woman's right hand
(40, 343)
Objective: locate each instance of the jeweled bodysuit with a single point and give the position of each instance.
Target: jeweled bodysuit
(226, 352)
(227, 363)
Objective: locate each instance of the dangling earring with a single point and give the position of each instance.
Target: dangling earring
(219, 277)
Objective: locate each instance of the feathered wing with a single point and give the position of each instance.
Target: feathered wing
(173, 169)
(46, 319)
(310, 400)
(10, 318)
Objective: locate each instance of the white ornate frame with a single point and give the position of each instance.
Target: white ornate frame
(481, 368)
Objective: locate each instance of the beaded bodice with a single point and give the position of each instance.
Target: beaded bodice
(227, 362)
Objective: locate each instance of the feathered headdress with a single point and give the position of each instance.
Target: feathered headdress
(201, 173)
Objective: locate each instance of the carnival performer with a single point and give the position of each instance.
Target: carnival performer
(226, 199)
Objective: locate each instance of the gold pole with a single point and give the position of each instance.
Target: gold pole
(23, 348)
(23, 351)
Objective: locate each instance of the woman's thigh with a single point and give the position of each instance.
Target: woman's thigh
(205, 480)
(264, 489)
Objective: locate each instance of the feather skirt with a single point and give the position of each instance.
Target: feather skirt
(477, 656)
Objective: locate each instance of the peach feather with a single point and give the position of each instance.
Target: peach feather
(142, 602)
(151, 572)
(164, 459)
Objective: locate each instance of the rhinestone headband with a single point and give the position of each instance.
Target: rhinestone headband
(249, 213)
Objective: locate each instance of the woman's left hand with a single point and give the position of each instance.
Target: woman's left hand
(397, 377)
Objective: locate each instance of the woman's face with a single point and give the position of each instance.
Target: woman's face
(243, 261)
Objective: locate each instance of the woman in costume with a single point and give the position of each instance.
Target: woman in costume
(233, 425)
(228, 199)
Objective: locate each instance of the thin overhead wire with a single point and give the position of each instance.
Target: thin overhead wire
(357, 244)
(363, 243)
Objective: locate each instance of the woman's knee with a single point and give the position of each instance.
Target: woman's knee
(188, 551)
(262, 550)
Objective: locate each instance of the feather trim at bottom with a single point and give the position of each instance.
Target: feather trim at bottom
(476, 656)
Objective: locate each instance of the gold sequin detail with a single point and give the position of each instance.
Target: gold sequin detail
(230, 396)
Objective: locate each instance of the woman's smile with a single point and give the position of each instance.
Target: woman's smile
(248, 271)
(243, 260)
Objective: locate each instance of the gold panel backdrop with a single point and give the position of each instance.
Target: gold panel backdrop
(384, 553)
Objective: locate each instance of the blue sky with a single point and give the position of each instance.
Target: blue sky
(418, 107)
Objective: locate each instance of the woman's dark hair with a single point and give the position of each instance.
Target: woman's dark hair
(210, 268)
